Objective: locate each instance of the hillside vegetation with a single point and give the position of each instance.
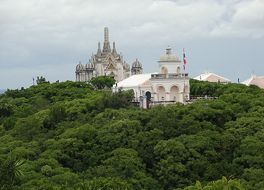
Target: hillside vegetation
(69, 136)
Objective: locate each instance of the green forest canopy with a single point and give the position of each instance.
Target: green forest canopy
(68, 136)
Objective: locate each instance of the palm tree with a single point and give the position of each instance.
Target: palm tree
(10, 171)
(222, 184)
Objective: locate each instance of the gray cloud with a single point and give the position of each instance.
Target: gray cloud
(49, 37)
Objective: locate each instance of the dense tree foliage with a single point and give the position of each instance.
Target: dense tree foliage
(103, 82)
(222, 184)
(69, 136)
(41, 79)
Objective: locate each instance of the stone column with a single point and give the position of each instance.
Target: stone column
(167, 96)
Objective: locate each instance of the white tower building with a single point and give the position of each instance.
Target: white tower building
(170, 85)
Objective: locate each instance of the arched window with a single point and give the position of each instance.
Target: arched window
(148, 96)
(161, 93)
(174, 93)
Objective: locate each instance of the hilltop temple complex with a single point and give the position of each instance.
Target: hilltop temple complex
(169, 85)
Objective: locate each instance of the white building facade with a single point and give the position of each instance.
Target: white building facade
(169, 85)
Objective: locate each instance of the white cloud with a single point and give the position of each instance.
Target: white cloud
(247, 20)
(37, 32)
(60, 20)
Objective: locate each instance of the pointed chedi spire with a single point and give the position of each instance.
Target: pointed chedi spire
(99, 49)
(114, 49)
(106, 48)
(106, 34)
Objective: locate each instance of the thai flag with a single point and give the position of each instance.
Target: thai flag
(184, 59)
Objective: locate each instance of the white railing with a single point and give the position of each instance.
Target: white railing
(169, 76)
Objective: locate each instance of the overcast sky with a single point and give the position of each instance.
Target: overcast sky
(49, 37)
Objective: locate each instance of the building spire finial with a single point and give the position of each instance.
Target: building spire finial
(106, 48)
(106, 34)
(168, 50)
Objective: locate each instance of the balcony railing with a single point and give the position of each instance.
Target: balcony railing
(169, 76)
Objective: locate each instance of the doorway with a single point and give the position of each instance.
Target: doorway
(148, 98)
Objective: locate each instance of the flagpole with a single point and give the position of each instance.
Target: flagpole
(184, 67)
(184, 74)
